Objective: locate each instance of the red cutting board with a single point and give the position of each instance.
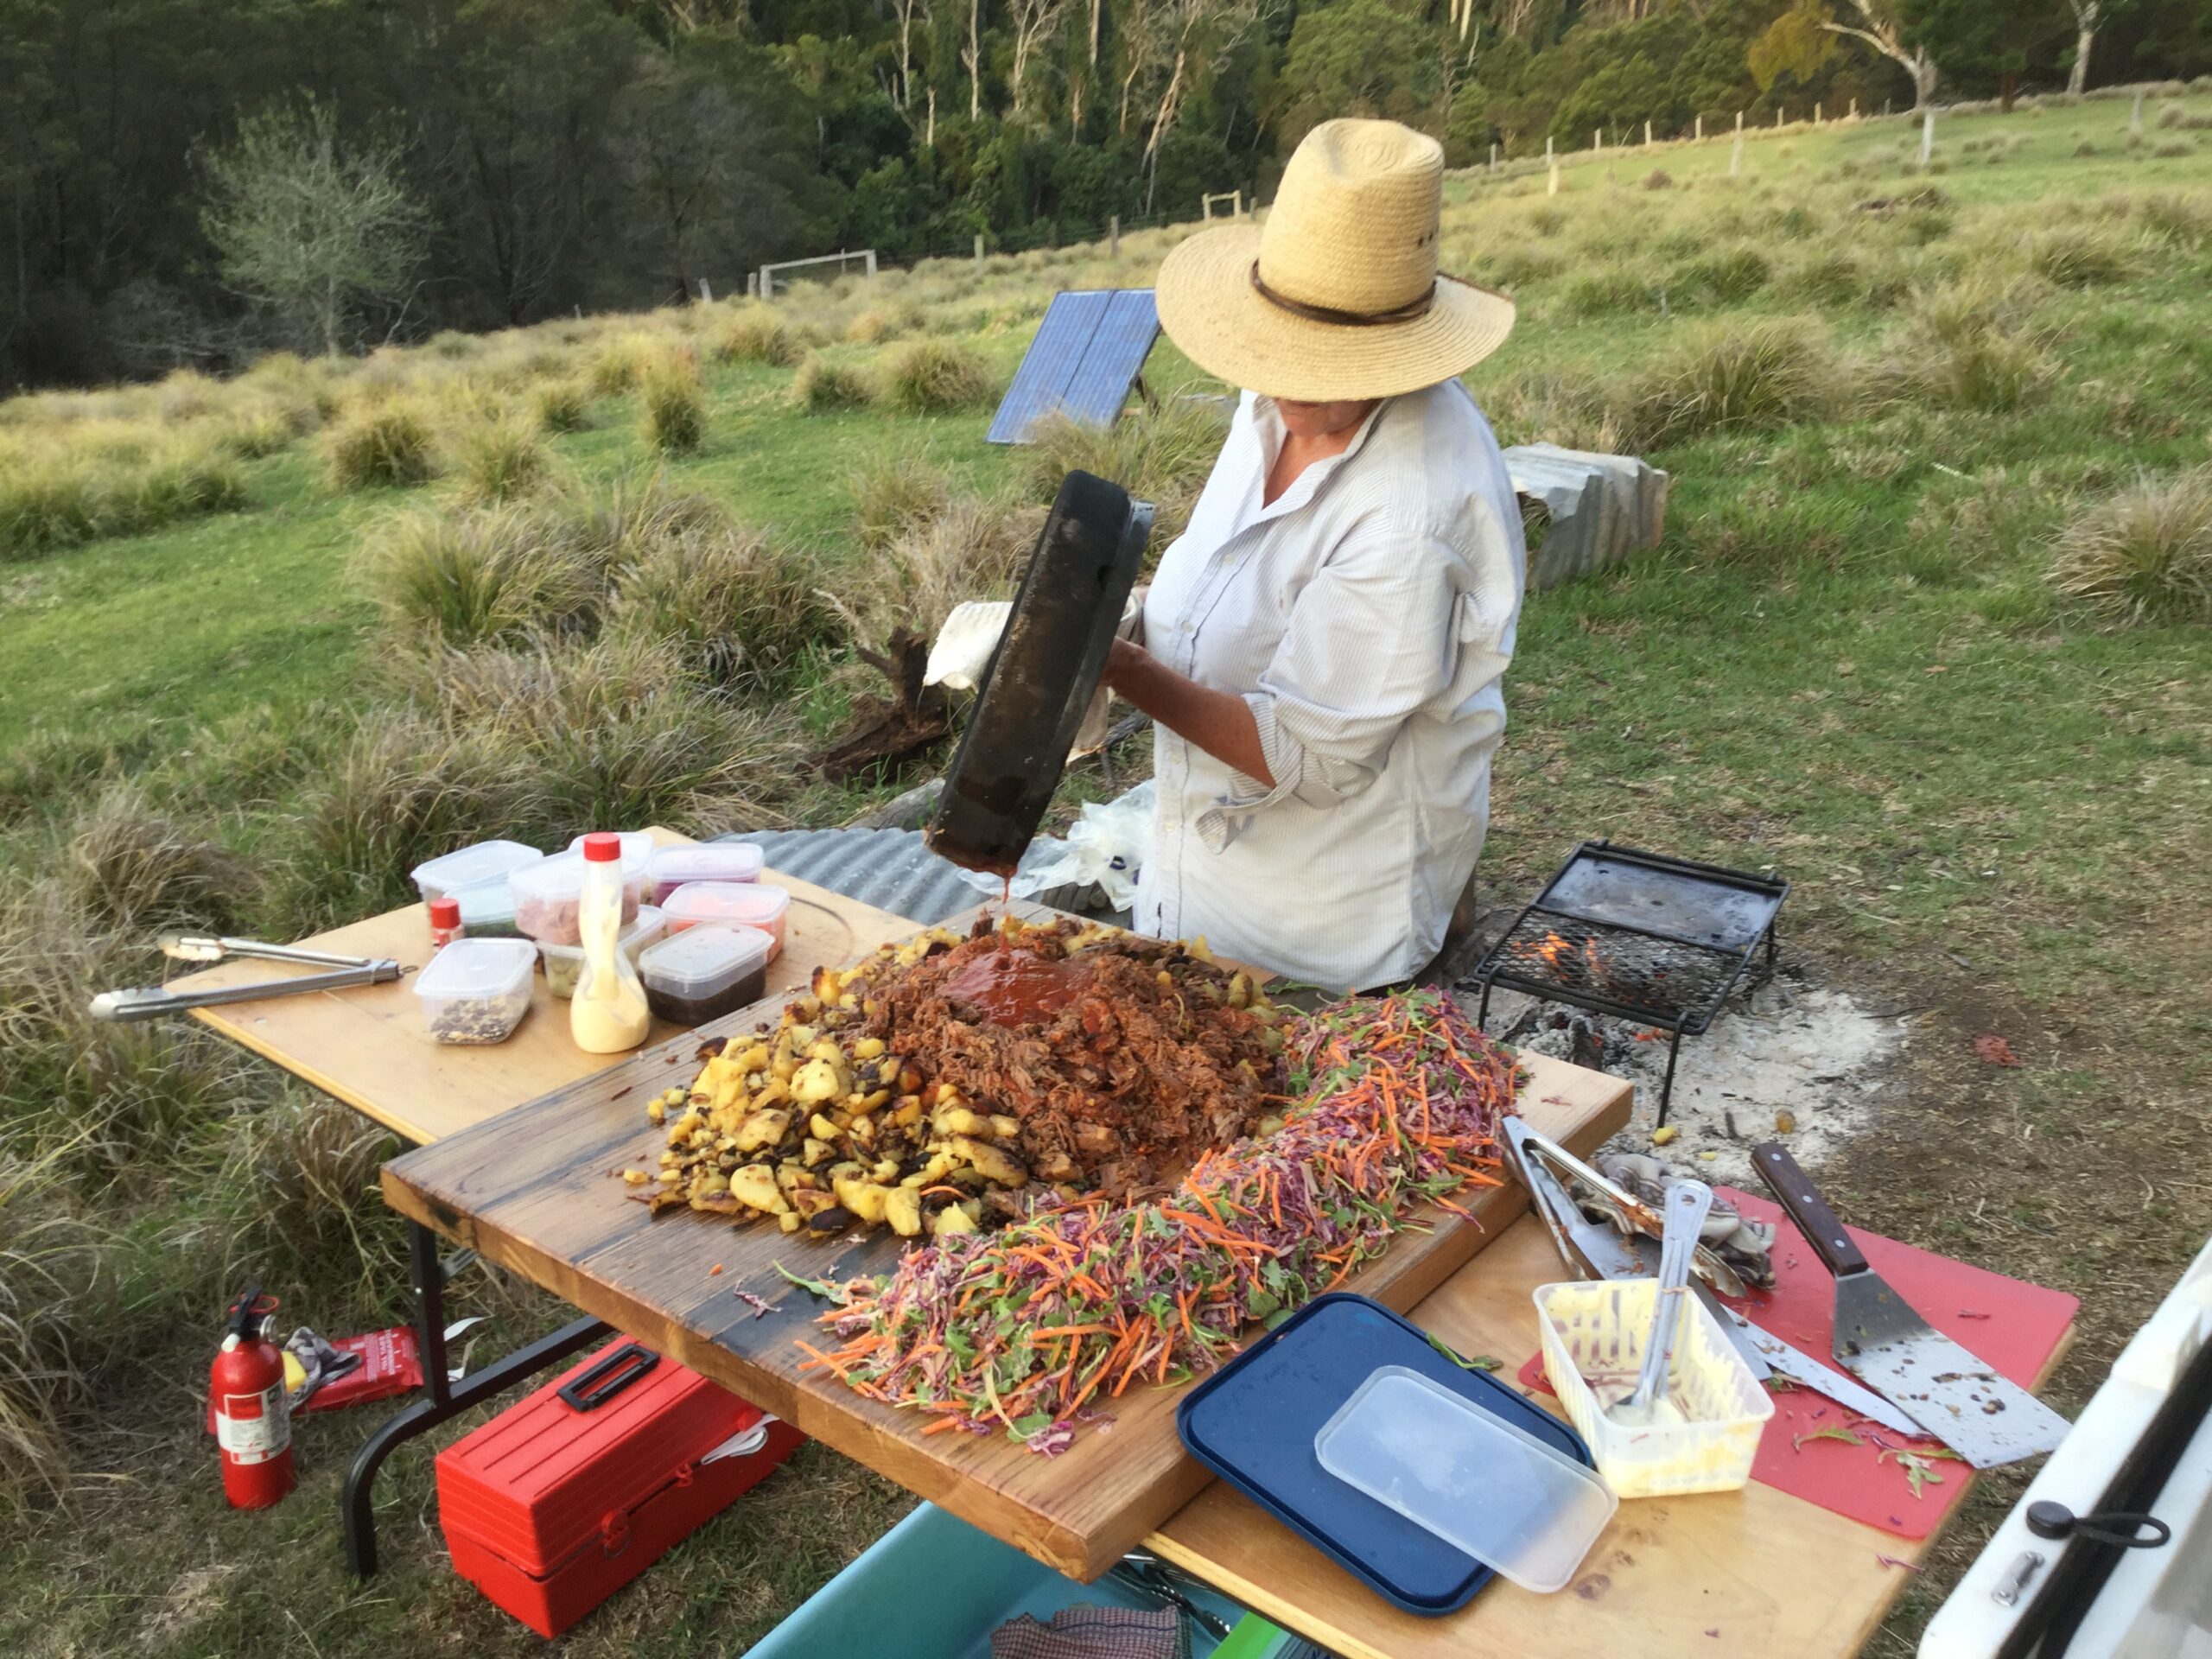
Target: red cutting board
(2023, 1325)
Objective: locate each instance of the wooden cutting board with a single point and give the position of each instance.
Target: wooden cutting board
(535, 1191)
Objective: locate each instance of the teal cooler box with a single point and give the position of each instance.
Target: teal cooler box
(943, 1587)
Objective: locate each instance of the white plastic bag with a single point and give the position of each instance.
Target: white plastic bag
(1106, 845)
(962, 651)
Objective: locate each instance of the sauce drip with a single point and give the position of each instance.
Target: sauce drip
(1016, 987)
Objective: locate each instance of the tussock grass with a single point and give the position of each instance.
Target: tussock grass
(893, 494)
(975, 549)
(756, 334)
(823, 385)
(743, 609)
(1738, 377)
(560, 405)
(499, 459)
(936, 377)
(1160, 454)
(495, 574)
(51, 1269)
(878, 323)
(385, 444)
(672, 405)
(614, 368)
(1972, 344)
(135, 869)
(2143, 556)
(115, 480)
(2084, 256)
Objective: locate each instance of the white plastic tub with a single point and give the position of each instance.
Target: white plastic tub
(1594, 1336)
(730, 904)
(476, 991)
(471, 867)
(547, 896)
(564, 963)
(710, 861)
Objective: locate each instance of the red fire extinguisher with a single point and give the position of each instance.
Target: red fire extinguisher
(253, 1426)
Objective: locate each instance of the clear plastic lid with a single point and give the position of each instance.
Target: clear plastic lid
(478, 968)
(562, 876)
(637, 850)
(485, 861)
(487, 903)
(710, 861)
(1474, 1480)
(638, 936)
(735, 904)
(700, 961)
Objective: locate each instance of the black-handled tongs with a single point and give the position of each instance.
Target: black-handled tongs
(1597, 1249)
(146, 1001)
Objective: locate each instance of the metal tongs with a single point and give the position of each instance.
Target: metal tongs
(1599, 1250)
(146, 1001)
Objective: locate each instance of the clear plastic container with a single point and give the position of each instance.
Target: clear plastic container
(477, 990)
(1594, 1336)
(564, 963)
(710, 861)
(472, 865)
(1484, 1486)
(732, 904)
(488, 910)
(706, 972)
(547, 896)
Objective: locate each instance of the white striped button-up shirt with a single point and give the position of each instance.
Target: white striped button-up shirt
(1366, 617)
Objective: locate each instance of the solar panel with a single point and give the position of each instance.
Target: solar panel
(1088, 352)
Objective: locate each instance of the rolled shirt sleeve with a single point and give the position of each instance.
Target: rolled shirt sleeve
(1372, 640)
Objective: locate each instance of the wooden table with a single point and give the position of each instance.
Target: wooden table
(367, 1045)
(1755, 1571)
(535, 1190)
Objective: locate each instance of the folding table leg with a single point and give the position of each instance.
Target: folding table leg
(445, 1400)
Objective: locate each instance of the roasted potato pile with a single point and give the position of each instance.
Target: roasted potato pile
(823, 1130)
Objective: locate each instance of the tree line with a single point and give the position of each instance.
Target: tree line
(191, 182)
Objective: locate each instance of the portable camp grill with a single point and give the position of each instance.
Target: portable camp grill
(1640, 935)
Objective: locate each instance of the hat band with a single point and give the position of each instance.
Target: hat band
(1346, 319)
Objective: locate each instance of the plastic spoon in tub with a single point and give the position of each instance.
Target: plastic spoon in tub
(1684, 1213)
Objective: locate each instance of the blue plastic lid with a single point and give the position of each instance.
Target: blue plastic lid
(1254, 1423)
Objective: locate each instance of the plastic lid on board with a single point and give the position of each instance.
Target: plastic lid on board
(1472, 1478)
(703, 961)
(478, 968)
(468, 867)
(748, 904)
(708, 861)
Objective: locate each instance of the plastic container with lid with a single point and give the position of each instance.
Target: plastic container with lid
(472, 866)
(732, 904)
(477, 990)
(1593, 1335)
(488, 910)
(1468, 1476)
(706, 972)
(710, 861)
(547, 896)
(564, 963)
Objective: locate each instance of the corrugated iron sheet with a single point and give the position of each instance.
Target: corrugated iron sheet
(1602, 508)
(892, 869)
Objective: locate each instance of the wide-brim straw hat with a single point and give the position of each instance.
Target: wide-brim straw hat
(1338, 296)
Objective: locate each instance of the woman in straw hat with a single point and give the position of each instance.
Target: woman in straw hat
(1323, 646)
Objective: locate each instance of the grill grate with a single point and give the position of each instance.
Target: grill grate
(1641, 935)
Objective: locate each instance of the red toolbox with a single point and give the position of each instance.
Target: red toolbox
(560, 1501)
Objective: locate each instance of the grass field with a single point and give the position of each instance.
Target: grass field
(1928, 634)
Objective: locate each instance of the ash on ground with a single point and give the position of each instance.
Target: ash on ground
(1784, 1047)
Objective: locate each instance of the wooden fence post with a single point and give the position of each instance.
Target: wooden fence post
(1554, 185)
(1596, 140)
(1853, 116)
(871, 264)
(1927, 135)
(979, 247)
(2135, 119)
(1700, 130)
(1114, 237)
(1548, 149)
(1817, 115)
(706, 292)
(1493, 158)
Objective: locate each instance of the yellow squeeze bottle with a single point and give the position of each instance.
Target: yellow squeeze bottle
(608, 1012)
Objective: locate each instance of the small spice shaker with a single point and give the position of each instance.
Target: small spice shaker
(445, 922)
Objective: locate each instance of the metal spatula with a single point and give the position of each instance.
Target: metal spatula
(1883, 1342)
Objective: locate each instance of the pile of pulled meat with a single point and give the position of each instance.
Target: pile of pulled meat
(1123, 1057)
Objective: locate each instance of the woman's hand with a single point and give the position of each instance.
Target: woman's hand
(1124, 663)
